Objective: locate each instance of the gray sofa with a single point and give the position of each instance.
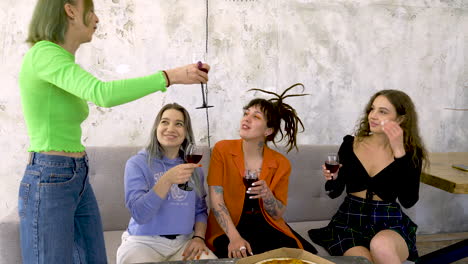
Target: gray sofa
(308, 205)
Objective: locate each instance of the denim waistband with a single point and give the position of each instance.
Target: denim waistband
(57, 160)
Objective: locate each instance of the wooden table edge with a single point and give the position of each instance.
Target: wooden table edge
(438, 183)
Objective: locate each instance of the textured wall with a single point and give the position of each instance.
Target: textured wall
(342, 50)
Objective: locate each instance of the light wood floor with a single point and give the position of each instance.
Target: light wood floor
(429, 243)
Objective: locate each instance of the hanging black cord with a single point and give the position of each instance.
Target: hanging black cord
(206, 87)
(206, 29)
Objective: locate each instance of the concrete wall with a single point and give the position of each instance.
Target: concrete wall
(342, 50)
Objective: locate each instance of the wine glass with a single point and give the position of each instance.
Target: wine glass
(200, 58)
(193, 154)
(249, 178)
(332, 163)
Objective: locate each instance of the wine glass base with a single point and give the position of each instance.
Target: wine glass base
(204, 106)
(185, 187)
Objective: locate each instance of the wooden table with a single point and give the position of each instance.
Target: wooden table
(440, 173)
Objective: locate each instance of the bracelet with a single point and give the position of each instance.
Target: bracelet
(167, 78)
(199, 238)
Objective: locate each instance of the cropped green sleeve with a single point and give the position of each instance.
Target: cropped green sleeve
(55, 91)
(55, 65)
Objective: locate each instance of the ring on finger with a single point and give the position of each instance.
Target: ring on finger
(242, 248)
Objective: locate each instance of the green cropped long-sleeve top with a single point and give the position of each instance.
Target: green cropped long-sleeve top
(54, 94)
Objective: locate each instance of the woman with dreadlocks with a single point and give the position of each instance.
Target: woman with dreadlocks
(240, 213)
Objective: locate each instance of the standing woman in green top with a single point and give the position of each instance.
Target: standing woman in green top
(59, 216)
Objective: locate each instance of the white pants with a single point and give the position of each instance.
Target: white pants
(137, 249)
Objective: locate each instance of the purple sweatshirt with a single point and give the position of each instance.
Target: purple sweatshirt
(151, 215)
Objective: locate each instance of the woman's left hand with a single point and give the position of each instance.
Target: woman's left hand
(260, 189)
(395, 137)
(194, 249)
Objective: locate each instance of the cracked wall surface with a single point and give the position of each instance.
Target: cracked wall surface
(343, 51)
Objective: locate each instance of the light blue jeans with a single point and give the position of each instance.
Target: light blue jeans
(59, 215)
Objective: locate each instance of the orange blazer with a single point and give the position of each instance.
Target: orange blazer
(227, 170)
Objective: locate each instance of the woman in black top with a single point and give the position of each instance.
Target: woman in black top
(380, 164)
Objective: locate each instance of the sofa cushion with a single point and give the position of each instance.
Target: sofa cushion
(106, 172)
(113, 240)
(307, 200)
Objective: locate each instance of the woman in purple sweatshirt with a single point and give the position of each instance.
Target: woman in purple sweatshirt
(167, 222)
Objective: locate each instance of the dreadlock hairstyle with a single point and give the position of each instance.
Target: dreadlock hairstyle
(405, 108)
(276, 110)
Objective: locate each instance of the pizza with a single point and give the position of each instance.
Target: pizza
(285, 261)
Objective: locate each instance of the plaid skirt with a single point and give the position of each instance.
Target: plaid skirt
(358, 221)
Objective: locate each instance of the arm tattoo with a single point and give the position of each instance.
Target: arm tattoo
(218, 189)
(279, 204)
(272, 205)
(220, 215)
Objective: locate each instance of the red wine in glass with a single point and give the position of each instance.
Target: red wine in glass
(248, 182)
(249, 203)
(332, 166)
(194, 158)
(193, 154)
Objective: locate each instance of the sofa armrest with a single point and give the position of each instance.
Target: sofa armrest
(10, 251)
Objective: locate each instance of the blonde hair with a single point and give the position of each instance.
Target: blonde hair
(154, 148)
(50, 22)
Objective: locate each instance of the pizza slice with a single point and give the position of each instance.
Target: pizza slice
(285, 261)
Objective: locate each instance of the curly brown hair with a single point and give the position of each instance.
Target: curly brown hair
(404, 107)
(276, 110)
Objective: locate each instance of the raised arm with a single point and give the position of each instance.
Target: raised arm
(403, 165)
(140, 200)
(176, 175)
(52, 64)
(144, 201)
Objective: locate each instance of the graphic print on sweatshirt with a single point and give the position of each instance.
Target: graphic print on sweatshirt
(175, 193)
